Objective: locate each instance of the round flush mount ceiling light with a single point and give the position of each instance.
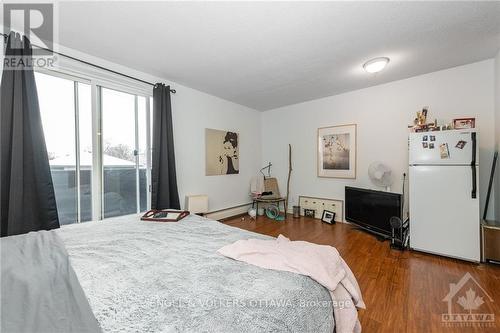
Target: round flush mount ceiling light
(376, 65)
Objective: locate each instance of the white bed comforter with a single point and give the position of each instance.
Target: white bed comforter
(168, 277)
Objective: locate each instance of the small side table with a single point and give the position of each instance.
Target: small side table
(276, 201)
(490, 236)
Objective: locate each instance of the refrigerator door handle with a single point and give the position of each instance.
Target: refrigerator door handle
(473, 166)
(474, 183)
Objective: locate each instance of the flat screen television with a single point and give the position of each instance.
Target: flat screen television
(371, 209)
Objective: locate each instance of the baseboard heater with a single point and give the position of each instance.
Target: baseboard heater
(227, 213)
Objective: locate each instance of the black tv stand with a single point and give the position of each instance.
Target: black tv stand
(380, 237)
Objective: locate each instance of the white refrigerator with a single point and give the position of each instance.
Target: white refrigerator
(444, 194)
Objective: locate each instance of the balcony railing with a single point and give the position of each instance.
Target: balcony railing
(119, 197)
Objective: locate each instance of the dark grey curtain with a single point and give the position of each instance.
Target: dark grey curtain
(164, 193)
(27, 193)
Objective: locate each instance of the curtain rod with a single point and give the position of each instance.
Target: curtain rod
(173, 91)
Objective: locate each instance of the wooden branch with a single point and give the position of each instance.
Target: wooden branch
(289, 175)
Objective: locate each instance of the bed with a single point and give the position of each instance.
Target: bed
(167, 277)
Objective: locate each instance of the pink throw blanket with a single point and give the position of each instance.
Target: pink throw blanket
(320, 262)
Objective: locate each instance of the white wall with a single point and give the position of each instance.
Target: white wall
(497, 132)
(192, 113)
(382, 114)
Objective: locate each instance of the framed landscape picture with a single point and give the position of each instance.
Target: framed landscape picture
(337, 151)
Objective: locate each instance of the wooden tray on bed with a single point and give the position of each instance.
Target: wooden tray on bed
(164, 215)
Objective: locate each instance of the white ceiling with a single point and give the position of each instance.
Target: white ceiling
(270, 54)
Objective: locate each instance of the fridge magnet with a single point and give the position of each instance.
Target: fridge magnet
(461, 144)
(464, 123)
(425, 138)
(433, 138)
(444, 151)
(425, 145)
(431, 146)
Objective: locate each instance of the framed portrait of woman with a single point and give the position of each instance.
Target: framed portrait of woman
(337, 151)
(221, 152)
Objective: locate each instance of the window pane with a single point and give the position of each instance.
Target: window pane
(119, 166)
(151, 123)
(143, 167)
(57, 108)
(85, 132)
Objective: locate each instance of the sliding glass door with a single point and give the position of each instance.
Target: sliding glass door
(66, 113)
(124, 147)
(85, 150)
(98, 142)
(144, 152)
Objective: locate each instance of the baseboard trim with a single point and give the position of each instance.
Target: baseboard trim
(237, 211)
(232, 217)
(227, 213)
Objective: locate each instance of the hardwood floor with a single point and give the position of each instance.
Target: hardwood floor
(403, 291)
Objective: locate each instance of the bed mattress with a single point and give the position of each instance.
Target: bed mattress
(167, 277)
